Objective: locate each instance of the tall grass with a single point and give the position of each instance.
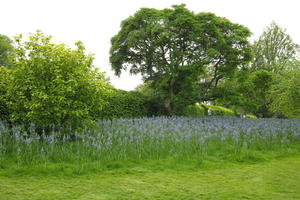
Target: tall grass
(181, 138)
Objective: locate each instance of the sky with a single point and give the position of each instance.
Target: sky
(95, 22)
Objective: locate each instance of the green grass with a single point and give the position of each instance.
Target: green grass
(154, 158)
(214, 179)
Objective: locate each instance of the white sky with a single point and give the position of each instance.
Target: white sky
(95, 21)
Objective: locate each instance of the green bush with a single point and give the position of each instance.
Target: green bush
(250, 116)
(123, 104)
(4, 82)
(54, 85)
(218, 110)
(193, 111)
(203, 109)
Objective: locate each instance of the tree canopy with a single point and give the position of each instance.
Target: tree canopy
(274, 49)
(177, 50)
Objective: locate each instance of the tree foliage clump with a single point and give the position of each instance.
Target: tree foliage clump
(4, 86)
(177, 50)
(53, 85)
(275, 59)
(285, 94)
(218, 110)
(194, 110)
(123, 104)
(6, 51)
(248, 92)
(274, 49)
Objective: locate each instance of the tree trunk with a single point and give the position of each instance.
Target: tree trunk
(169, 100)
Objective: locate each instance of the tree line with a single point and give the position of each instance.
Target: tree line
(183, 57)
(186, 57)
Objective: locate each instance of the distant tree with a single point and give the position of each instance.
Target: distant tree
(232, 92)
(6, 51)
(274, 53)
(248, 92)
(274, 49)
(285, 94)
(54, 85)
(256, 90)
(174, 47)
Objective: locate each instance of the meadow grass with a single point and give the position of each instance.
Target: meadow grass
(118, 142)
(154, 158)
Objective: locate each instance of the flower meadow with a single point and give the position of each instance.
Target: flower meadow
(181, 138)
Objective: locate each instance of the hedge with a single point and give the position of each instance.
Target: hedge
(124, 104)
(193, 111)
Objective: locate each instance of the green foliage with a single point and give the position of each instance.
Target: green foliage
(54, 85)
(273, 50)
(247, 92)
(4, 84)
(218, 110)
(250, 116)
(123, 104)
(257, 87)
(154, 99)
(194, 111)
(6, 51)
(174, 48)
(285, 94)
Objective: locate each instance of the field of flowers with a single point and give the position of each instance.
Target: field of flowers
(155, 138)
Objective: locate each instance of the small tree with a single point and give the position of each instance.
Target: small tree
(274, 49)
(53, 85)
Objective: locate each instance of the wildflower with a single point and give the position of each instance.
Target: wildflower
(42, 150)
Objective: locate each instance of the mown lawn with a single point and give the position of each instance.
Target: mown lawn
(274, 179)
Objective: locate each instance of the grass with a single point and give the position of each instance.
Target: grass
(270, 179)
(154, 158)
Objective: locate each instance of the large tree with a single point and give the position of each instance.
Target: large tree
(175, 47)
(274, 49)
(52, 84)
(6, 51)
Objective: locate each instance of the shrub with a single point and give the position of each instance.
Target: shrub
(123, 104)
(193, 111)
(250, 116)
(218, 110)
(4, 83)
(154, 101)
(53, 85)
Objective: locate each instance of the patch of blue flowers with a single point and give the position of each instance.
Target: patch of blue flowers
(151, 138)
